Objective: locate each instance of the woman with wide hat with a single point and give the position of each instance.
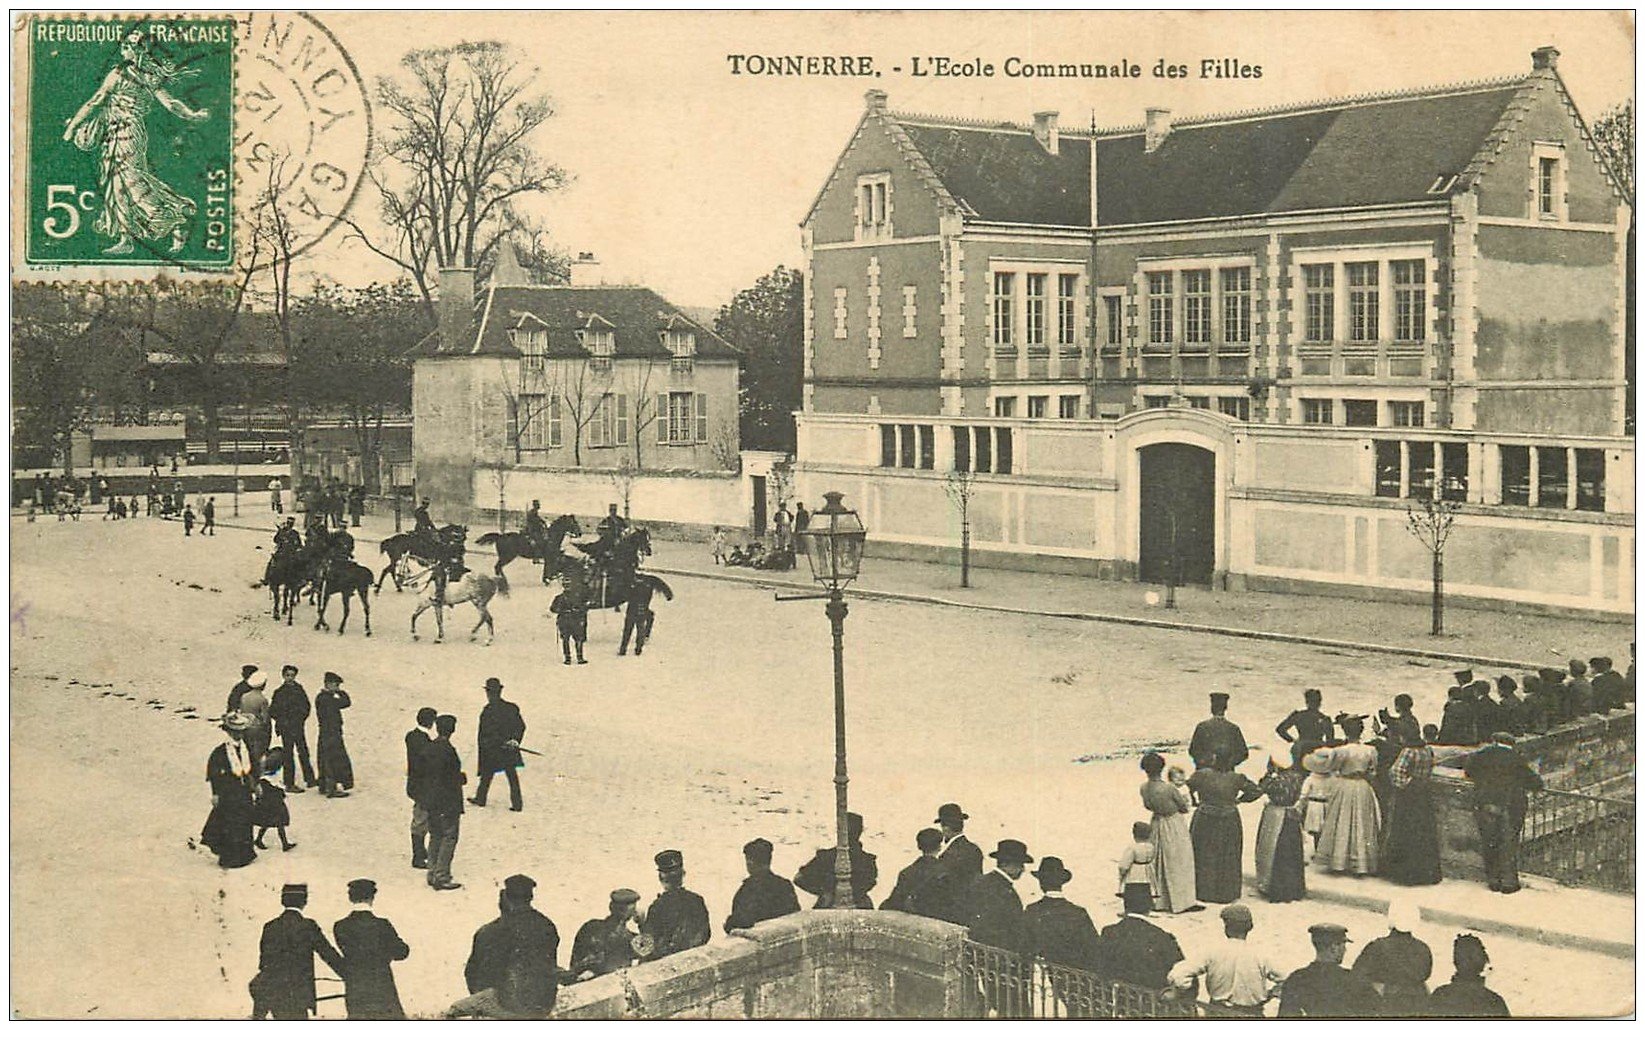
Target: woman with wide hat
(230, 770)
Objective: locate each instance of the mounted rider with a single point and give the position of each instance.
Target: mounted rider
(535, 529)
(611, 529)
(424, 523)
(286, 536)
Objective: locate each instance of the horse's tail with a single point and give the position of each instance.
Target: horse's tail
(488, 538)
(662, 587)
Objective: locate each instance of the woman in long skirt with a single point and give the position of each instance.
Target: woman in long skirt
(1350, 841)
(1216, 831)
(1279, 835)
(229, 771)
(1411, 852)
(331, 754)
(1173, 848)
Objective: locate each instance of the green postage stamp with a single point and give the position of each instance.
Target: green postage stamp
(129, 146)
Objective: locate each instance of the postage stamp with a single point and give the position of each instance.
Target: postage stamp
(129, 151)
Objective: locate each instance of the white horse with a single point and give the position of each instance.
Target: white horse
(473, 587)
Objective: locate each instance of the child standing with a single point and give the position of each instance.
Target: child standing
(188, 521)
(269, 804)
(1136, 871)
(717, 543)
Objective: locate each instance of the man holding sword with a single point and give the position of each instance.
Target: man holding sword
(501, 730)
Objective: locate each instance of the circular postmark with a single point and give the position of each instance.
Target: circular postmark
(302, 134)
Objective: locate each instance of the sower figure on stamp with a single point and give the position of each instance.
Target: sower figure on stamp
(501, 730)
(284, 984)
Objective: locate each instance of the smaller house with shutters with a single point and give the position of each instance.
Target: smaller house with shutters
(536, 391)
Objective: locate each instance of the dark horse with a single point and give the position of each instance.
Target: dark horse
(611, 582)
(446, 543)
(285, 577)
(350, 579)
(516, 545)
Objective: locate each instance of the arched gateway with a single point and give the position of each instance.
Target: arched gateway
(1176, 521)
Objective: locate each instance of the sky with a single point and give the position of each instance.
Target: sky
(694, 180)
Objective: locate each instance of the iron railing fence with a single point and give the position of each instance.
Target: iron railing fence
(1579, 839)
(1001, 984)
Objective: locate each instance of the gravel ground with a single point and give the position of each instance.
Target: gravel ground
(126, 638)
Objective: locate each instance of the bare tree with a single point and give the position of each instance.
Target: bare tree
(581, 389)
(500, 472)
(623, 478)
(1430, 523)
(722, 446)
(276, 239)
(961, 486)
(528, 397)
(638, 384)
(460, 123)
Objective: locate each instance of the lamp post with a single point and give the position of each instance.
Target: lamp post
(833, 543)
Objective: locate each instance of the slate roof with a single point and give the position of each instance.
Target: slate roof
(1327, 155)
(638, 316)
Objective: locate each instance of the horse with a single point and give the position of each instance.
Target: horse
(515, 545)
(285, 577)
(420, 547)
(472, 587)
(349, 579)
(609, 580)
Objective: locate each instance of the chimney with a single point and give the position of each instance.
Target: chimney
(455, 307)
(875, 100)
(507, 271)
(1045, 130)
(585, 270)
(1545, 58)
(1159, 127)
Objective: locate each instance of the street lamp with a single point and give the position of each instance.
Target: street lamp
(833, 543)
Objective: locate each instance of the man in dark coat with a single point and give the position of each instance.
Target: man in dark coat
(501, 730)
(1466, 996)
(1307, 722)
(1055, 929)
(442, 794)
(289, 709)
(606, 944)
(1398, 964)
(817, 876)
(1501, 780)
(1579, 691)
(511, 972)
(1610, 688)
(1457, 724)
(284, 986)
(1552, 682)
(678, 918)
(762, 895)
(924, 887)
(1217, 733)
(959, 855)
(1135, 950)
(241, 688)
(993, 908)
(1510, 708)
(418, 740)
(370, 946)
(1325, 989)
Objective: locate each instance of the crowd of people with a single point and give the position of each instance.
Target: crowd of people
(779, 555)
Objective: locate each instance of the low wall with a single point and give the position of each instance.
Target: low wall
(829, 964)
(687, 503)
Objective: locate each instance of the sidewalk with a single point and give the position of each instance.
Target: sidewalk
(1491, 638)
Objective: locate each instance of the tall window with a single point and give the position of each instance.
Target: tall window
(1113, 308)
(1319, 303)
(1516, 474)
(1037, 405)
(1363, 301)
(1035, 298)
(1004, 308)
(874, 205)
(533, 346)
(1196, 309)
(1159, 307)
(1236, 305)
(1405, 413)
(1067, 307)
(1318, 411)
(1547, 186)
(533, 420)
(1410, 300)
(1389, 463)
(1453, 483)
(679, 426)
(1068, 406)
(1552, 476)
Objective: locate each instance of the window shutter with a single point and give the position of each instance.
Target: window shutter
(622, 418)
(702, 418)
(662, 418)
(554, 425)
(513, 405)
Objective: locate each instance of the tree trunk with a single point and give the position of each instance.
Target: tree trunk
(965, 550)
(1438, 627)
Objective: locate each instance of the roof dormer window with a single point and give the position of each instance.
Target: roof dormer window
(681, 343)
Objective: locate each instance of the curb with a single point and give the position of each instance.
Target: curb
(1091, 616)
(1475, 923)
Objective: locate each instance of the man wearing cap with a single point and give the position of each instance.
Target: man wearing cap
(1610, 688)
(817, 876)
(1308, 722)
(1054, 928)
(336, 768)
(606, 944)
(511, 971)
(442, 794)
(678, 918)
(418, 740)
(1501, 780)
(370, 946)
(284, 986)
(1136, 950)
(1238, 978)
(924, 887)
(1398, 964)
(1217, 733)
(240, 688)
(1466, 996)
(290, 710)
(1325, 989)
(762, 895)
(501, 730)
(993, 907)
(959, 855)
